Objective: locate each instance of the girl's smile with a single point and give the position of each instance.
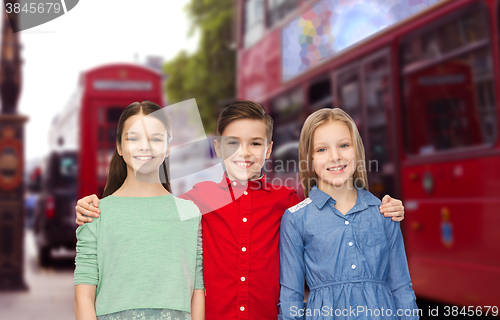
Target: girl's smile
(337, 169)
(144, 146)
(334, 157)
(143, 158)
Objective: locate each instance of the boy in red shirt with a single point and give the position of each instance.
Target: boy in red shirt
(241, 227)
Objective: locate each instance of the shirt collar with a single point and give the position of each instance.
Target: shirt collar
(365, 199)
(255, 183)
(319, 198)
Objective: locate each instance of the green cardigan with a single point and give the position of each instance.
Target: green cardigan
(142, 252)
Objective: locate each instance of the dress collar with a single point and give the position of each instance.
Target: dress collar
(365, 199)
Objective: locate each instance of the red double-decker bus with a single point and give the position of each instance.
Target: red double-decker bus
(421, 80)
(82, 141)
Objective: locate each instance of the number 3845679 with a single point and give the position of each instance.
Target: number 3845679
(47, 7)
(470, 311)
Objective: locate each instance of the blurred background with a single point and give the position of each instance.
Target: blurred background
(419, 77)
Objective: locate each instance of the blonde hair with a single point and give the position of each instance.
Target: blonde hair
(308, 177)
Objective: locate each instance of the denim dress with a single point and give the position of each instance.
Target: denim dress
(354, 264)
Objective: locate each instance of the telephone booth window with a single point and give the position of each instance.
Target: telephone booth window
(108, 122)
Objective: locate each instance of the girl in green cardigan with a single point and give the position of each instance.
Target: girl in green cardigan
(150, 268)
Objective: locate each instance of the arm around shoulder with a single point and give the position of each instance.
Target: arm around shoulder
(293, 198)
(191, 194)
(86, 208)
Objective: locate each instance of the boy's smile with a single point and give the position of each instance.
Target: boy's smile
(244, 148)
(244, 164)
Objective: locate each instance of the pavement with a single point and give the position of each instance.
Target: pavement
(51, 291)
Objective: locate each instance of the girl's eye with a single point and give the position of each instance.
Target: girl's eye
(232, 142)
(132, 139)
(320, 150)
(256, 143)
(156, 140)
(345, 145)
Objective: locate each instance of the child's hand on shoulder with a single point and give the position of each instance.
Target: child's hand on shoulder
(392, 208)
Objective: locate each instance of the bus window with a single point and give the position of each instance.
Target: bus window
(288, 113)
(62, 170)
(254, 21)
(448, 100)
(278, 9)
(349, 95)
(379, 153)
(320, 95)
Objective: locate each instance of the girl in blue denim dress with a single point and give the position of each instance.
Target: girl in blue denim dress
(352, 258)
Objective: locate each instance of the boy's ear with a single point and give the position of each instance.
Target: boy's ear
(217, 149)
(269, 149)
(119, 149)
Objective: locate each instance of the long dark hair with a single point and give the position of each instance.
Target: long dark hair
(117, 167)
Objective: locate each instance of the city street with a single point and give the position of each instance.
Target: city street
(50, 294)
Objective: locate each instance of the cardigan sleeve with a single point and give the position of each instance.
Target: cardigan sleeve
(86, 268)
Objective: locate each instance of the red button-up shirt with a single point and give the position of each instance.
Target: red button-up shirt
(240, 246)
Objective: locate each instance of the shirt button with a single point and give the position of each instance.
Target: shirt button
(350, 244)
(242, 308)
(245, 219)
(243, 249)
(346, 223)
(245, 193)
(234, 183)
(353, 266)
(242, 278)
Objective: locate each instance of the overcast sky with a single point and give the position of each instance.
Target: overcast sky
(95, 32)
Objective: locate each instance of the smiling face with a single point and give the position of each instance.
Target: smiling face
(334, 156)
(244, 148)
(144, 144)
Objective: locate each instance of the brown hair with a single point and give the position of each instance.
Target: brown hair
(117, 167)
(308, 177)
(244, 110)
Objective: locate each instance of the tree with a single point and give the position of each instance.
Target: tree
(208, 75)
